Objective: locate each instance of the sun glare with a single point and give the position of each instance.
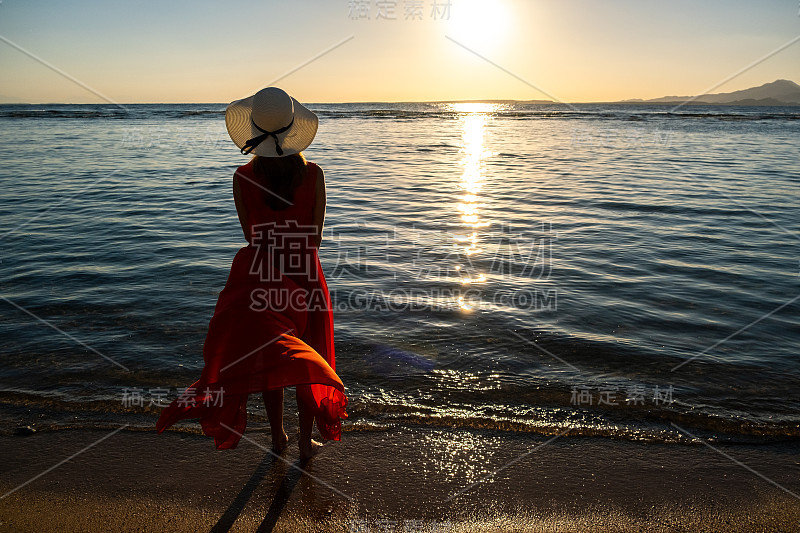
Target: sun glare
(479, 23)
(474, 107)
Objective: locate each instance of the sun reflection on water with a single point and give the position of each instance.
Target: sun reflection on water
(473, 118)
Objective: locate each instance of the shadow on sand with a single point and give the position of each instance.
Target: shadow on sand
(291, 476)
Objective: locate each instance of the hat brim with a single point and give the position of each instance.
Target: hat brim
(294, 140)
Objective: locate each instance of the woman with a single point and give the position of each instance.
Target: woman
(273, 325)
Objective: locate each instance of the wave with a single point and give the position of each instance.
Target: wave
(732, 116)
(59, 113)
(203, 113)
(679, 425)
(559, 112)
(400, 112)
(662, 208)
(685, 429)
(132, 112)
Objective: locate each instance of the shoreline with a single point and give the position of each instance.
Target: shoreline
(422, 478)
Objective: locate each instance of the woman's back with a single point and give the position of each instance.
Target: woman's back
(285, 238)
(256, 192)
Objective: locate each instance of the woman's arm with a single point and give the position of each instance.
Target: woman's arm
(241, 209)
(318, 216)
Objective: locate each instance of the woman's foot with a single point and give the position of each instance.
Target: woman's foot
(280, 442)
(309, 450)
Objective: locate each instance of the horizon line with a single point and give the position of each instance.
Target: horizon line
(678, 99)
(471, 101)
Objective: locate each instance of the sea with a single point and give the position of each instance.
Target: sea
(605, 270)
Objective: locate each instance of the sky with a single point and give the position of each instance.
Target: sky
(386, 50)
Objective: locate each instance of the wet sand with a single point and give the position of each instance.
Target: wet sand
(402, 479)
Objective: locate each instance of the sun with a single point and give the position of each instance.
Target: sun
(481, 24)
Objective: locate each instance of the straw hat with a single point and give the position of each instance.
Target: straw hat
(270, 123)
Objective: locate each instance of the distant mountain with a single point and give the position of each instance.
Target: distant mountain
(779, 92)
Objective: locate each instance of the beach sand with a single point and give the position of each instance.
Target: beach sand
(400, 479)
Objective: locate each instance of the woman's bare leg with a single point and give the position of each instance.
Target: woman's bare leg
(305, 403)
(273, 401)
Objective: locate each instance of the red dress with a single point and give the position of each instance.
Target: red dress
(272, 326)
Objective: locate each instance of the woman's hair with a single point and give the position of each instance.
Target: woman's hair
(280, 176)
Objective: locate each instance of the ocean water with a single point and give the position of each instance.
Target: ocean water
(619, 271)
